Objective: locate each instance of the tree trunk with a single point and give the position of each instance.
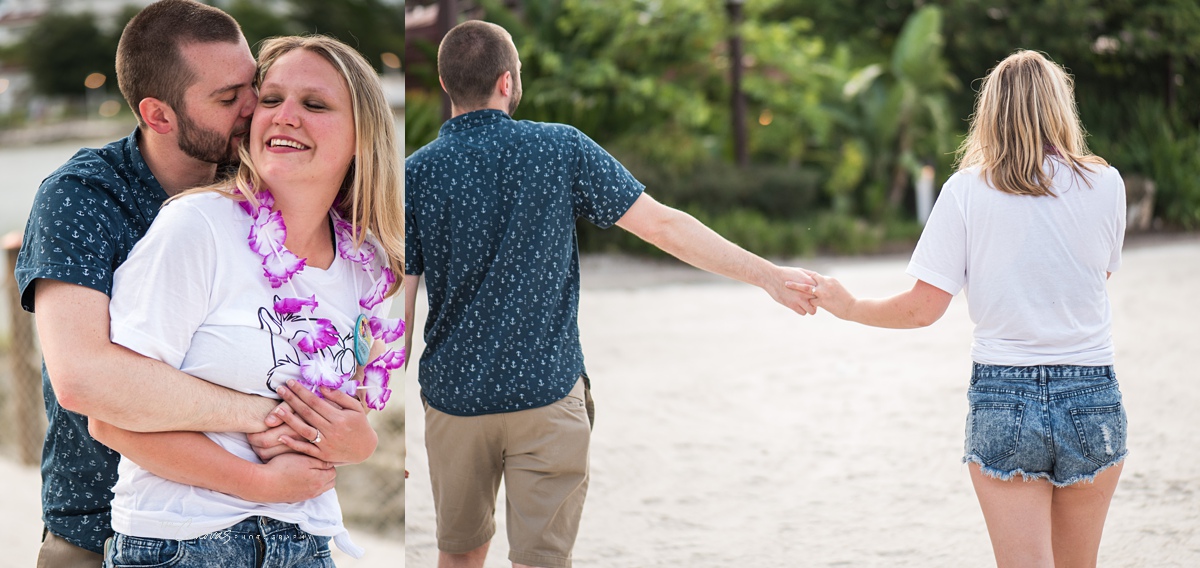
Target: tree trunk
(900, 173)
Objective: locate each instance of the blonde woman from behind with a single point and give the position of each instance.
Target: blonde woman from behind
(1031, 227)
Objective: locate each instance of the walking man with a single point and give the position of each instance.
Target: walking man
(491, 210)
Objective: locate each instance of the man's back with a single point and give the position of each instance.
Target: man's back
(492, 205)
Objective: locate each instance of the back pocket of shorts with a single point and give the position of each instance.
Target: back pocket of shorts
(993, 430)
(136, 552)
(1101, 431)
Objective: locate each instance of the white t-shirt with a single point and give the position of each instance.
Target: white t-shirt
(1034, 268)
(192, 294)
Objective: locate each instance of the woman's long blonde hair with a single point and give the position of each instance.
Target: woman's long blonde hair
(370, 195)
(1024, 112)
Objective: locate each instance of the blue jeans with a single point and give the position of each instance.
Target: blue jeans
(252, 543)
(1063, 423)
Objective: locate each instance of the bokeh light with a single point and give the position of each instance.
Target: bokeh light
(110, 108)
(95, 81)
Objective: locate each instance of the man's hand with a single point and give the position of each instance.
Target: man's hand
(792, 287)
(290, 478)
(332, 429)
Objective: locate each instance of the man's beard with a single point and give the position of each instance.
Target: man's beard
(515, 100)
(206, 145)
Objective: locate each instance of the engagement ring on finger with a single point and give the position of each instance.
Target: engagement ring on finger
(317, 440)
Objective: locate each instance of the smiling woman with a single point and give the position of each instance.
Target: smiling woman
(303, 124)
(276, 283)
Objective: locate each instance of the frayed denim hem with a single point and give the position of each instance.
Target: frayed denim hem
(1007, 475)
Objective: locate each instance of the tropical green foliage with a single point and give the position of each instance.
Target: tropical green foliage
(649, 80)
(846, 100)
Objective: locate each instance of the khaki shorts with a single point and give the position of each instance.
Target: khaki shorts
(542, 455)
(56, 552)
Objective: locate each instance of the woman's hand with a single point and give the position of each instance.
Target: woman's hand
(828, 294)
(332, 429)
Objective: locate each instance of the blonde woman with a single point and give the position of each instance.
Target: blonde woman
(1031, 226)
(275, 283)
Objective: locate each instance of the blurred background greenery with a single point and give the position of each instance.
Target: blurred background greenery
(56, 44)
(847, 100)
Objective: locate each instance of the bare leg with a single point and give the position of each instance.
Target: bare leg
(1018, 518)
(472, 559)
(1078, 513)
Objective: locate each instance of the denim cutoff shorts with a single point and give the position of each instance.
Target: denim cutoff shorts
(256, 541)
(1063, 423)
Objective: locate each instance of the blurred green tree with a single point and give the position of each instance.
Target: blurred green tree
(12, 54)
(633, 73)
(61, 50)
(850, 96)
(259, 22)
(373, 27)
(917, 99)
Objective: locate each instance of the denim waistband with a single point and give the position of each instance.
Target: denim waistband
(982, 371)
(261, 525)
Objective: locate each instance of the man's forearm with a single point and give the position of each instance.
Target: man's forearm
(95, 377)
(123, 376)
(682, 236)
(687, 239)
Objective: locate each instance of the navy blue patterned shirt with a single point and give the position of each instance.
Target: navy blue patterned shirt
(86, 217)
(491, 206)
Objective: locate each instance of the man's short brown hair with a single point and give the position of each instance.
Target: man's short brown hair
(470, 59)
(150, 60)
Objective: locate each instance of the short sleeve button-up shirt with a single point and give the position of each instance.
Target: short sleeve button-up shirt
(491, 206)
(86, 217)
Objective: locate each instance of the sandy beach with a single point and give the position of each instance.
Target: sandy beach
(731, 432)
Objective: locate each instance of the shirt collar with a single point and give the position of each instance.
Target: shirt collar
(473, 119)
(134, 158)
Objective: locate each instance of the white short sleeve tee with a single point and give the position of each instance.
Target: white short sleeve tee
(192, 294)
(1034, 268)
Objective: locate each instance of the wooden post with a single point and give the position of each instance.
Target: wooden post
(25, 401)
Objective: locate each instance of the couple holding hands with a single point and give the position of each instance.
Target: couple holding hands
(1030, 227)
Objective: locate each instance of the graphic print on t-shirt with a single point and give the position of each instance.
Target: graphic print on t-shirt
(287, 330)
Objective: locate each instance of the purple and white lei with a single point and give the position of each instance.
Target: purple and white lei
(268, 232)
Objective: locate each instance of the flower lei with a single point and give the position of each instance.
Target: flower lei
(267, 235)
